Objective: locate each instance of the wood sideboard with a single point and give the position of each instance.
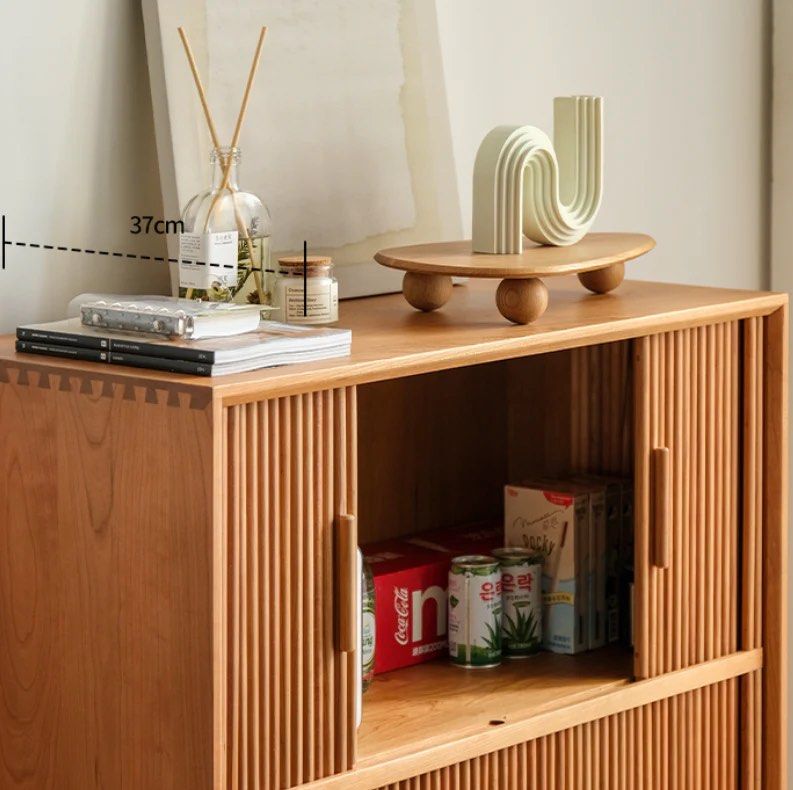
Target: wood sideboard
(177, 604)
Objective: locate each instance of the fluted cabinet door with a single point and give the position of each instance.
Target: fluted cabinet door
(688, 419)
(285, 668)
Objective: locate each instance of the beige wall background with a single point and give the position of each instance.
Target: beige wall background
(686, 86)
(686, 132)
(78, 157)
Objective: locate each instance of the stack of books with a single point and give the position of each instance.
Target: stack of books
(180, 337)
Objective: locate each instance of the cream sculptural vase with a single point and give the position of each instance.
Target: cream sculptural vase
(524, 184)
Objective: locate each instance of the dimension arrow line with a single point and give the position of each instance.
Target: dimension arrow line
(107, 253)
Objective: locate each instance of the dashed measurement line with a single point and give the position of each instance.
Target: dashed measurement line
(108, 253)
(130, 255)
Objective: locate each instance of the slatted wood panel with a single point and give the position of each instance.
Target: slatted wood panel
(601, 409)
(288, 694)
(687, 399)
(571, 411)
(751, 729)
(687, 742)
(445, 432)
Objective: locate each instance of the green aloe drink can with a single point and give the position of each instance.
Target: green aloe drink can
(521, 601)
(475, 611)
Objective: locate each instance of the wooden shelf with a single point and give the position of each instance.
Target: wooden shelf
(390, 339)
(437, 703)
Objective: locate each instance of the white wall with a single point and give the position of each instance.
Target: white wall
(685, 114)
(78, 155)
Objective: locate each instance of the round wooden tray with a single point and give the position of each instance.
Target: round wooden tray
(598, 260)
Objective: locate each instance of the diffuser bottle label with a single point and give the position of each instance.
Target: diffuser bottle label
(208, 260)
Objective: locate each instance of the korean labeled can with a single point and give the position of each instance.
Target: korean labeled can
(521, 601)
(475, 611)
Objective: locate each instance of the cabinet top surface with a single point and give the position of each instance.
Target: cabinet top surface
(390, 339)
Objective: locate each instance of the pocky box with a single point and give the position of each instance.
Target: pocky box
(548, 519)
(596, 559)
(613, 492)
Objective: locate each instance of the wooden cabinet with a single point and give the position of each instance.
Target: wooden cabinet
(178, 577)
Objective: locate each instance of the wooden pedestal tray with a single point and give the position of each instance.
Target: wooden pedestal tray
(598, 260)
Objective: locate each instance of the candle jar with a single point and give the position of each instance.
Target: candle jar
(206, 218)
(306, 294)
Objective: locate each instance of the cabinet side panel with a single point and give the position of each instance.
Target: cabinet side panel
(775, 542)
(289, 698)
(683, 741)
(105, 606)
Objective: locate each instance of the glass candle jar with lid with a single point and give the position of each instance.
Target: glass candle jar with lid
(306, 292)
(209, 219)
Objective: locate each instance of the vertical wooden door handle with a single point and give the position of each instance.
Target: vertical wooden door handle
(662, 506)
(347, 583)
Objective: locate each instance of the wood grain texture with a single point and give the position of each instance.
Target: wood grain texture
(662, 507)
(775, 547)
(686, 400)
(391, 340)
(288, 715)
(632, 725)
(594, 251)
(407, 489)
(489, 434)
(168, 602)
(436, 703)
(105, 605)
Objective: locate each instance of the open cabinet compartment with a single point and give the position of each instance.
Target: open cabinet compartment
(436, 451)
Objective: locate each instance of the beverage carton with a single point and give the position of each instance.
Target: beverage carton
(616, 489)
(547, 518)
(411, 577)
(604, 526)
(626, 562)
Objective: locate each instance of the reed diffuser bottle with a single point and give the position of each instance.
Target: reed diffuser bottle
(222, 208)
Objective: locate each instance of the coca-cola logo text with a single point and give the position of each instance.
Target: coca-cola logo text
(401, 609)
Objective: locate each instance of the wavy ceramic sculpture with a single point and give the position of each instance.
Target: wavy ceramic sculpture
(526, 185)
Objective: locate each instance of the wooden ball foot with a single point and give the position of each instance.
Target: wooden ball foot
(601, 281)
(522, 301)
(427, 291)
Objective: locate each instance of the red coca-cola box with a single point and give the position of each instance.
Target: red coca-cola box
(410, 578)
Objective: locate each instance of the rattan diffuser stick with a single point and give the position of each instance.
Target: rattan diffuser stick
(242, 228)
(241, 116)
(213, 133)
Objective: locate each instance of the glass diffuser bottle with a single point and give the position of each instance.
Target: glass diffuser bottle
(227, 208)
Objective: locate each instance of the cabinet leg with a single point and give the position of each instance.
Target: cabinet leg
(522, 301)
(427, 291)
(601, 281)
